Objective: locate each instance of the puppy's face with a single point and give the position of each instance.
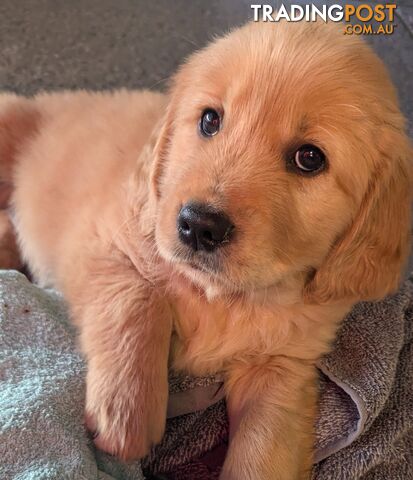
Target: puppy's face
(277, 146)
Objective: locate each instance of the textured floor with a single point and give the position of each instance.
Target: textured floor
(55, 44)
(49, 44)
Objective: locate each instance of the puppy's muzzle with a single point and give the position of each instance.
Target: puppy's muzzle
(203, 228)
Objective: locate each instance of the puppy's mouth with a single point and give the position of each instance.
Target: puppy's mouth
(206, 264)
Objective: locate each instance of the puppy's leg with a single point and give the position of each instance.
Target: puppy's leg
(125, 329)
(271, 409)
(19, 118)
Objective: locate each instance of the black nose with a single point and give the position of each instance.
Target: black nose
(203, 228)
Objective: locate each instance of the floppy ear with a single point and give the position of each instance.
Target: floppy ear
(161, 140)
(162, 137)
(18, 122)
(367, 262)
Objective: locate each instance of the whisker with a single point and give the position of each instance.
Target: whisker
(161, 80)
(187, 39)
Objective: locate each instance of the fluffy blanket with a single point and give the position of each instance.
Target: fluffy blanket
(364, 430)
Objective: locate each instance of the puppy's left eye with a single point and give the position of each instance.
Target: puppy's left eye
(210, 122)
(309, 159)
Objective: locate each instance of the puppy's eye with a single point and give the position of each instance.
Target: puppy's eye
(210, 122)
(309, 159)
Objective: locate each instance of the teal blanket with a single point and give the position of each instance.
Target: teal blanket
(364, 430)
(42, 386)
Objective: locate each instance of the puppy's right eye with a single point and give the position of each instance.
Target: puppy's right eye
(308, 160)
(209, 123)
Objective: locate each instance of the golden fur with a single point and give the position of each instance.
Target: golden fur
(100, 177)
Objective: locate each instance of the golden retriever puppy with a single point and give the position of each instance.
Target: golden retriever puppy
(228, 226)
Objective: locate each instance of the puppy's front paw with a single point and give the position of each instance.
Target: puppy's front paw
(124, 424)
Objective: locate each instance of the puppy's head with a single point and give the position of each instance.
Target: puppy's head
(282, 155)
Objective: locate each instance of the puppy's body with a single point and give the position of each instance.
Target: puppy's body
(91, 144)
(100, 179)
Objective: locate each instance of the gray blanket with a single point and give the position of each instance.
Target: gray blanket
(364, 430)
